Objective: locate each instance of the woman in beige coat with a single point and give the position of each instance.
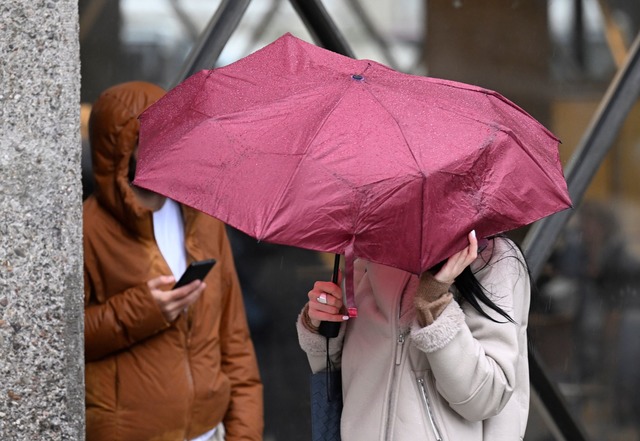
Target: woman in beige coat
(424, 359)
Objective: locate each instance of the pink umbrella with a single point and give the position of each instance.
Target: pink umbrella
(300, 146)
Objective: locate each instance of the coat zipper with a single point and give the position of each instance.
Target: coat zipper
(399, 352)
(188, 316)
(190, 379)
(427, 405)
(399, 349)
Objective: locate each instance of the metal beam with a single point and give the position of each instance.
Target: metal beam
(554, 408)
(600, 136)
(368, 24)
(622, 95)
(322, 28)
(214, 38)
(227, 17)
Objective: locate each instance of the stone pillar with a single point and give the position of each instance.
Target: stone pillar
(41, 312)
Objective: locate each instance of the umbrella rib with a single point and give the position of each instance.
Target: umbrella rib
(506, 130)
(503, 128)
(302, 157)
(422, 230)
(406, 143)
(543, 169)
(415, 160)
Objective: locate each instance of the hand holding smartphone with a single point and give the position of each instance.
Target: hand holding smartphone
(195, 271)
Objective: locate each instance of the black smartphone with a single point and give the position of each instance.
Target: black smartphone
(195, 271)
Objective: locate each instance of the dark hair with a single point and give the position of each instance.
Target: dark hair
(472, 291)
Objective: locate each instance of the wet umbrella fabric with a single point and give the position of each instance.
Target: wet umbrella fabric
(301, 146)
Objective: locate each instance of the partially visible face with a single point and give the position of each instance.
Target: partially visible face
(148, 198)
(133, 162)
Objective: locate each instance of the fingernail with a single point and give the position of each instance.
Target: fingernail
(345, 317)
(473, 233)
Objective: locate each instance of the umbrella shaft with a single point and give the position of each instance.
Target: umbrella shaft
(331, 329)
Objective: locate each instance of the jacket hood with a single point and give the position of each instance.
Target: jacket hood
(113, 132)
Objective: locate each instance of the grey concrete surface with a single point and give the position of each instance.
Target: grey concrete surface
(41, 325)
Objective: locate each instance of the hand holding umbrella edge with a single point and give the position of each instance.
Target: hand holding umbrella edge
(433, 294)
(455, 264)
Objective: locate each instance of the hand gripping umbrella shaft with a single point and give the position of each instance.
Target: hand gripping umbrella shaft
(331, 329)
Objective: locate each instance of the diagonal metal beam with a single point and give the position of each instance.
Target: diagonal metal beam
(322, 28)
(622, 94)
(371, 28)
(613, 34)
(600, 136)
(227, 17)
(552, 405)
(214, 38)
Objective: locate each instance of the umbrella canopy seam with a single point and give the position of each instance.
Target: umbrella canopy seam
(303, 157)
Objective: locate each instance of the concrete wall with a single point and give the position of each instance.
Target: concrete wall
(41, 346)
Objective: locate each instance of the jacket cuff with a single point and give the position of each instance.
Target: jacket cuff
(431, 289)
(440, 333)
(148, 319)
(315, 344)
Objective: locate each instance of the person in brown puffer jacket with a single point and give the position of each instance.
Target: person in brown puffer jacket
(161, 364)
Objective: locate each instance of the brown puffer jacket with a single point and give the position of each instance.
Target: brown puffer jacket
(147, 379)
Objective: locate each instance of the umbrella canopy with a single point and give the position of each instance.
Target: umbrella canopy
(301, 146)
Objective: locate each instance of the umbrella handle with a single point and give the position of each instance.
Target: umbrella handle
(331, 329)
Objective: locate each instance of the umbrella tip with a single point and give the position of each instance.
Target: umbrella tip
(357, 77)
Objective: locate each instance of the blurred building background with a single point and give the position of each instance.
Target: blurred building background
(555, 58)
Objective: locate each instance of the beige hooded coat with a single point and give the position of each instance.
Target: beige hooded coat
(462, 378)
